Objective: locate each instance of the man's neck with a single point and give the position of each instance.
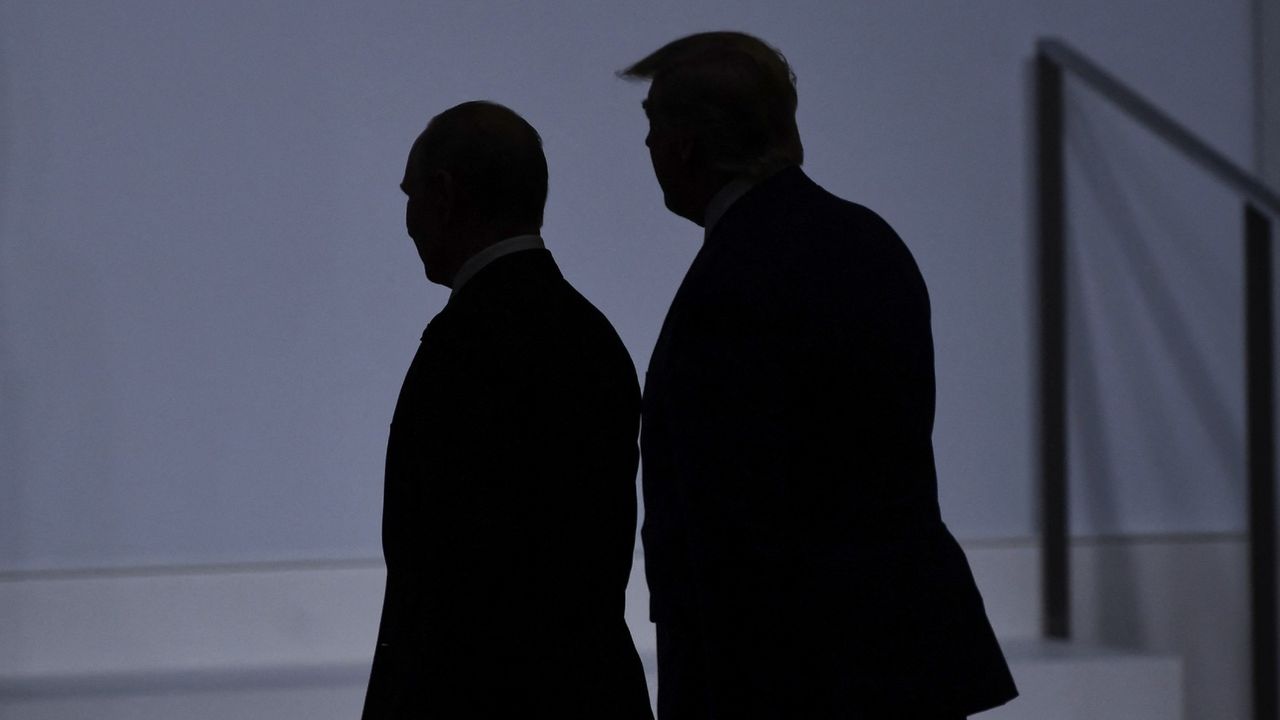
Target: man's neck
(723, 199)
(729, 194)
(491, 252)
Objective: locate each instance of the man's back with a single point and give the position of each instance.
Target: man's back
(510, 508)
(790, 491)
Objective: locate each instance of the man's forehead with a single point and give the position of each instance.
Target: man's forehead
(415, 148)
(650, 101)
(415, 153)
(410, 169)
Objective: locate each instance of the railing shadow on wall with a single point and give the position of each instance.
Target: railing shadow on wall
(1054, 62)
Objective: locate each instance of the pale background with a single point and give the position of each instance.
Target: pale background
(207, 299)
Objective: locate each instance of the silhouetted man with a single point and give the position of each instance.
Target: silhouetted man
(797, 562)
(509, 511)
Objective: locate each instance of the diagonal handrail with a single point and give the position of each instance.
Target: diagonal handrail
(1159, 122)
(1053, 60)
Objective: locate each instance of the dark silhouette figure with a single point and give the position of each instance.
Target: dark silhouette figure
(509, 511)
(797, 562)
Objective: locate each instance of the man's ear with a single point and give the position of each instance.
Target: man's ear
(442, 195)
(687, 148)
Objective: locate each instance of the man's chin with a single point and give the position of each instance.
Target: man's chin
(436, 276)
(684, 213)
(677, 210)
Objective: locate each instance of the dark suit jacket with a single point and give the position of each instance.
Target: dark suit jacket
(791, 511)
(509, 511)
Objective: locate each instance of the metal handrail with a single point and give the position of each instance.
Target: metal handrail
(1053, 59)
(1159, 122)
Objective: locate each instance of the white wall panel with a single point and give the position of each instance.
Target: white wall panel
(207, 300)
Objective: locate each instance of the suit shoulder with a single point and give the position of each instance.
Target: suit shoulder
(589, 321)
(807, 253)
(850, 218)
(865, 235)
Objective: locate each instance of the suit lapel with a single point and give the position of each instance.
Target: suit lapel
(686, 295)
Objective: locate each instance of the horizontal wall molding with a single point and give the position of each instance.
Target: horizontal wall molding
(158, 682)
(361, 563)
(171, 629)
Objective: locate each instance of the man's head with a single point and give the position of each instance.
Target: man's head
(721, 105)
(475, 176)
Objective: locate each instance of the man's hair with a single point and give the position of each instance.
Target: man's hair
(494, 157)
(734, 91)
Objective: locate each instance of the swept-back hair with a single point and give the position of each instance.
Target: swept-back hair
(734, 91)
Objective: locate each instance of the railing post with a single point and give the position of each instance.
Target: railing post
(1260, 399)
(1055, 569)
(1053, 59)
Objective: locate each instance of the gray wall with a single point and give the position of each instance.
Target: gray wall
(1266, 42)
(207, 300)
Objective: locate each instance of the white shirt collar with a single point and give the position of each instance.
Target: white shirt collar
(730, 194)
(722, 200)
(502, 248)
